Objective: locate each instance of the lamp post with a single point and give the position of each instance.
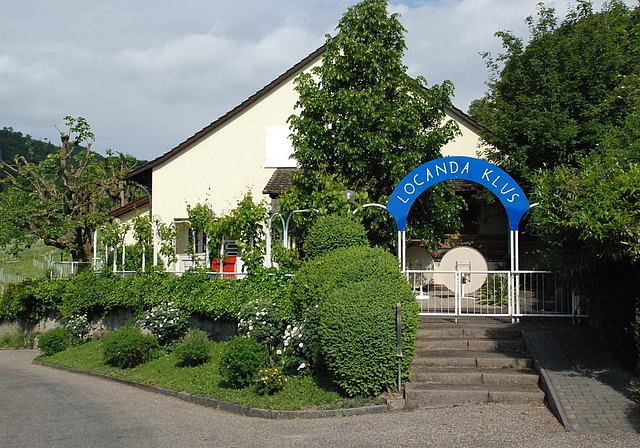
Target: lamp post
(157, 219)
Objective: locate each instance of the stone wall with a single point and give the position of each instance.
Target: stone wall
(219, 330)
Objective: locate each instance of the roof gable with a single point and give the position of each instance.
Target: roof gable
(293, 71)
(142, 174)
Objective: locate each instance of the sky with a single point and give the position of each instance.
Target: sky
(148, 74)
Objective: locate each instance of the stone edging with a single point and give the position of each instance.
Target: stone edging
(230, 407)
(547, 386)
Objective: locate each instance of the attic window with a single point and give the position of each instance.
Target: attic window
(279, 148)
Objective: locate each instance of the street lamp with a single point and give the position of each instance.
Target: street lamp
(157, 219)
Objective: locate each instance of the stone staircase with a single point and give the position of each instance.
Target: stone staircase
(478, 360)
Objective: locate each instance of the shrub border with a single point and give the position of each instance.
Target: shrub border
(231, 407)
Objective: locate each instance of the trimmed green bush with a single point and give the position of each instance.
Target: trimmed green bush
(31, 300)
(240, 362)
(127, 347)
(357, 332)
(347, 301)
(54, 341)
(318, 278)
(94, 294)
(332, 232)
(194, 350)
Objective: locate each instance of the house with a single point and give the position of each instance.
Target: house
(245, 150)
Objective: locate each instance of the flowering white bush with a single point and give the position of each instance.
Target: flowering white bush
(295, 350)
(78, 326)
(261, 321)
(167, 322)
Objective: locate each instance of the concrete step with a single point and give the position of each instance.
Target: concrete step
(512, 345)
(419, 395)
(472, 359)
(475, 377)
(458, 332)
(482, 360)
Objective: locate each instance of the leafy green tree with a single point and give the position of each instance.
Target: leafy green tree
(364, 123)
(562, 112)
(554, 100)
(62, 199)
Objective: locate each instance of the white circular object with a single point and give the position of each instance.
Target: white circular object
(419, 259)
(467, 261)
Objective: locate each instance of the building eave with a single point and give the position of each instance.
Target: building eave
(293, 71)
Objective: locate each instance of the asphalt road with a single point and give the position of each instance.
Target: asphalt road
(43, 407)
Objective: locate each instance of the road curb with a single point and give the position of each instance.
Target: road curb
(553, 400)
(231, 407)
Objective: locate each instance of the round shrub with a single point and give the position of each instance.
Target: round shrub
(332, 232)
(240, 362)
(194, 350)
(319, 277)
(346, 300)
(127, 347)
(357, 334)
(54, 341)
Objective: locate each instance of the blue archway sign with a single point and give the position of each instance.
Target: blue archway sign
(458, 167)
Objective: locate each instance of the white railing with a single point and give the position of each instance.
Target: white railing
(502, 293)
(65, 269)
(10, 278)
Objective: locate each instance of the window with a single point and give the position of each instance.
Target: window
(279, 148)
(199, 243)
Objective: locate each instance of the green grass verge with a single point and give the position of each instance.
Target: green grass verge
(12, 337)
(30, 262)
(299, 393)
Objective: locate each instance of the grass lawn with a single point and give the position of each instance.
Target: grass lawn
(298, 393)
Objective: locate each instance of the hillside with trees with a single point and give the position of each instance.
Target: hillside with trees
(14, 143)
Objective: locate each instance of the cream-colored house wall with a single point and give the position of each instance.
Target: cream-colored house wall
(225, 164)
(467, 144)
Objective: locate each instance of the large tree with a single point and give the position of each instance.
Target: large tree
(554, 100)
(62, 199)
(363, 123)
(563, 112)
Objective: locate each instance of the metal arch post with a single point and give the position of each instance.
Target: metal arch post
(514, 284)
(268, 242)
(402, 250)
(286, 227)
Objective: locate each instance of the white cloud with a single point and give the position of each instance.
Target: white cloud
(148, 74)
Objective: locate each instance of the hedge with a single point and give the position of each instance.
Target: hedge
(96, 294)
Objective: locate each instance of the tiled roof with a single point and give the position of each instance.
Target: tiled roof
(280, 181)
(138, 203)
(293, 71)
